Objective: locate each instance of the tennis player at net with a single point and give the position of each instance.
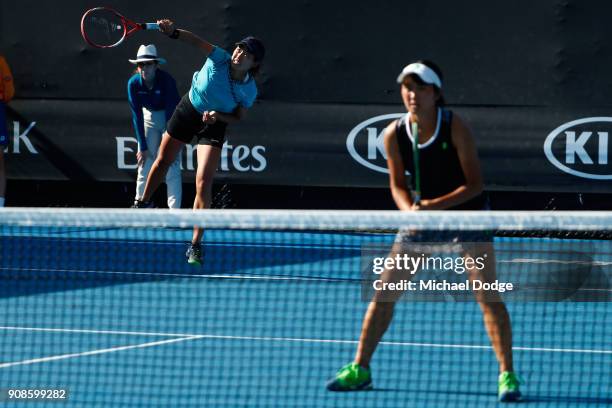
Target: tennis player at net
(450, 178)
(221, 93)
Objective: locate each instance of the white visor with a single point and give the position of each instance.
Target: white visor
(426, 74)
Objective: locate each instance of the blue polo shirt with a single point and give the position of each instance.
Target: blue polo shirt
(163, 96)
(213, 89)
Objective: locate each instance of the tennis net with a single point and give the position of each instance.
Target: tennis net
(102, 305)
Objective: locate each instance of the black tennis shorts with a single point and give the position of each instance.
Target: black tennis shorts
(186, 122)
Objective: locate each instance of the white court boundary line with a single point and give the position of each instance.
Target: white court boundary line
(218, 276)
(238, 244)
(93, 352)
(185, 337)
(186, 275)
(555, 261)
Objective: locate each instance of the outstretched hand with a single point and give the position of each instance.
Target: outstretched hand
(166, 26)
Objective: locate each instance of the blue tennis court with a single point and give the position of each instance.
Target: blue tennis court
(119, 319)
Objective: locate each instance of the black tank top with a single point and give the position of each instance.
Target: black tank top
(439, 165)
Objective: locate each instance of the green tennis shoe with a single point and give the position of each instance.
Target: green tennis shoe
(508, 390)
(194, 254)
(351, 377)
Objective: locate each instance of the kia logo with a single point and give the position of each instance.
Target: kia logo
(365, 143)
(580, 148)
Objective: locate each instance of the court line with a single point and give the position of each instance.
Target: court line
(230, 244)
(407, 344)
(94, 352)
(323, 246)
(186, 275)
(89, 331)
(187, 336)
(555, 261)
(234, 277)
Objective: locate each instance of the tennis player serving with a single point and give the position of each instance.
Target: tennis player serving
(221, 93)
(450, 178)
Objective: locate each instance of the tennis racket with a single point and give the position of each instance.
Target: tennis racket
(415, 158)
(103, 27)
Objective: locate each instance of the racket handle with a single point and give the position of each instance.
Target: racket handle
(151, 26)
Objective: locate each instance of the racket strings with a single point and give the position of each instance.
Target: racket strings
(103, 28)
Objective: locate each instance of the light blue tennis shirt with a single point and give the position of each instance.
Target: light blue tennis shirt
(213, 89)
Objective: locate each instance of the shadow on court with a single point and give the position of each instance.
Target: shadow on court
(491, 396)
(30, 265)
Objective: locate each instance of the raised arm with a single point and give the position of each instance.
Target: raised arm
(167, 27)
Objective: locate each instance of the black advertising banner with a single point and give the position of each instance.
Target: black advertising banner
(523, 149)
(519, 53)
(531, 78)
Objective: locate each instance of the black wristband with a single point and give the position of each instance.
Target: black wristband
(175, 34)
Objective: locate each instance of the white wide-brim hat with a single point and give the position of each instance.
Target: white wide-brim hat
(147, 53)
